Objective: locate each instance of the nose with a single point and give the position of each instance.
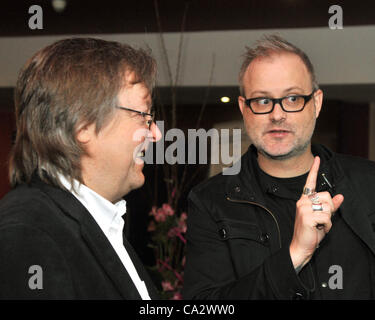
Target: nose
(277, 113)
(155, 132)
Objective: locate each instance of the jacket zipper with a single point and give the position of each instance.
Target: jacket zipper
(259, 205)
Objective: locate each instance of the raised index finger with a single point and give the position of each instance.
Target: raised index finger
(313, 174)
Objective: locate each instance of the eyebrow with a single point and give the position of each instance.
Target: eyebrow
(293, 88)
(266, 93)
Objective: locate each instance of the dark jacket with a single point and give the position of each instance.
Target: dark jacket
(234, 248)
(41, 225)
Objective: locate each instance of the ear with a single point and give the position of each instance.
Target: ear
(85, 133)
(318, 101)
(241, 103)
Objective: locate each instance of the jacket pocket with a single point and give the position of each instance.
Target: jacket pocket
(248, 246)
(229, 229)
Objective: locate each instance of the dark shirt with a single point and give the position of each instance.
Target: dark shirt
(338, 251)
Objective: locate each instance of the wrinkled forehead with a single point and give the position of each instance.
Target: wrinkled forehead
(277, 71)
(135, 94)
(282, 61)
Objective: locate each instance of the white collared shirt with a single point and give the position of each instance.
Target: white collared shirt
(109, 218)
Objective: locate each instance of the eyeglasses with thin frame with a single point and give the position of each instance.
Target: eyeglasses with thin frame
(143, 114)
(291, 103)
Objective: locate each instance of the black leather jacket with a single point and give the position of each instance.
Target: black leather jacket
(234, 248)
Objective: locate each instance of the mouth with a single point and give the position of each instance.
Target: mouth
(278, 133)
(141, 154)
(138, 157)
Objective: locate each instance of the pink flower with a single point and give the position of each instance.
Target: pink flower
(167, 286)
(182, 222)
(168, 209)
(160, 217)
(182, 226)
(177, 296)
(160, 214)
(176, 232)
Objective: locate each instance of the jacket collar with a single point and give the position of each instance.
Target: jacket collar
(98, 243)
(106, 214)
(244, 185)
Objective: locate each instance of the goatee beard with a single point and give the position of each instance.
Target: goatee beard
(292, 153)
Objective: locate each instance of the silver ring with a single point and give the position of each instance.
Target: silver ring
(314, 198)
(317, 207)
(308, 191)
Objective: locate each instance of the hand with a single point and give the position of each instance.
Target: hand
(310, 227)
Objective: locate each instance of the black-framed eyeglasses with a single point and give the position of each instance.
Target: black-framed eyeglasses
(148, 121)
(292, 103)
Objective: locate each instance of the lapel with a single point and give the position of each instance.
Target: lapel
(244, 185)
(354, 210)
(143, 274)
(355, 213)
(108, 259)
(96, 241)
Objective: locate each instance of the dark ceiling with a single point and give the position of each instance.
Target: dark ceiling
(91, 17)
(109, 16)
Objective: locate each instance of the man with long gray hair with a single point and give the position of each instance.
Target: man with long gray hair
(79, 104)
(298, 221)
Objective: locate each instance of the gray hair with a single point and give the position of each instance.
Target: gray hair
(268, 45)
(67, 85)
